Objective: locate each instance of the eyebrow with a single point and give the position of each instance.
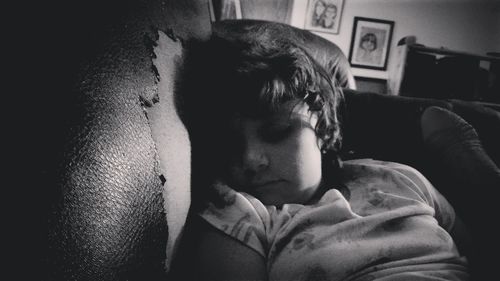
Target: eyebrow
(304, 119)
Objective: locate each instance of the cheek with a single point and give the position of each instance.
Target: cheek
(311, 167)
(303, 156)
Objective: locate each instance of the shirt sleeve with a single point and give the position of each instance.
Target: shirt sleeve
(444, 212)
(238, 218)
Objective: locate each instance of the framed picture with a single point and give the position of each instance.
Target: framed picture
(224, 9)
(370, 43)
(324, 15)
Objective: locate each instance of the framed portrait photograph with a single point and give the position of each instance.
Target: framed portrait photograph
(324, 15)
(370, 43)
(224, 9)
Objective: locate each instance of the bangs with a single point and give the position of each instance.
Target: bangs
(272, 95)
(269, 83)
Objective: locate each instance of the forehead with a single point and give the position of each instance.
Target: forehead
(262, 108)
(287, 111)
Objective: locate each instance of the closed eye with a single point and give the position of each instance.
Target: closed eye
(276, 132)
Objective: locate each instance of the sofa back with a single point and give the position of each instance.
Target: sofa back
(388, 127)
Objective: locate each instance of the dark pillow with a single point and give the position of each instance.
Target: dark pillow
(467, 177)
(454, 144)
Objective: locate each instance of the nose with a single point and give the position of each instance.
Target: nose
(254, 160)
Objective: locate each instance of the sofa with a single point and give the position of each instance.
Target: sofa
(118, 166)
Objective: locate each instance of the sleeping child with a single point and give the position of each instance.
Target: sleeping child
(281, 205)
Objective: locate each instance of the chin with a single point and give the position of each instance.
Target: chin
(280, 201)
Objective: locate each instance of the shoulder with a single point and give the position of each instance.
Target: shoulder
(377, 167)
(399, 179)
(413, 174)
(240, 216)
(390, 174)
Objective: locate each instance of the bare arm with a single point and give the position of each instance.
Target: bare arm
(220, 257)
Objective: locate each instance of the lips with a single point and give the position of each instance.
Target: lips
(264, 184)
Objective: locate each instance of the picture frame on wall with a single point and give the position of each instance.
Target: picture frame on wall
(370, 43)
(324, 15)
(224, 9)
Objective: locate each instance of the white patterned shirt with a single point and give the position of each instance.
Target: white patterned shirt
(393, 226)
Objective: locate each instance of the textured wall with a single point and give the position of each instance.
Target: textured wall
(109, 126)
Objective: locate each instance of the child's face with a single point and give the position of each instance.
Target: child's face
(279, 160)
(319, 8)
(330, 13)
